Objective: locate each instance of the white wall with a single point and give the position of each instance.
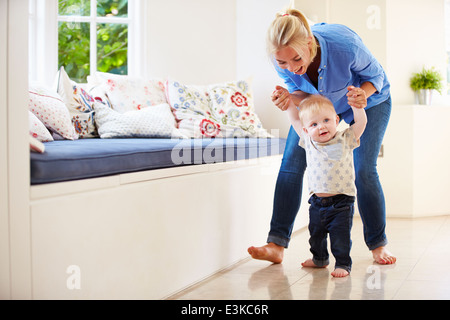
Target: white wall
(415, 171)
(415, 38)
(253, 20)
(192, 41)
(366, 17)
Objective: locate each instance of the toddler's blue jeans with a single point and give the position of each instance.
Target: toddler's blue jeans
(333, 216)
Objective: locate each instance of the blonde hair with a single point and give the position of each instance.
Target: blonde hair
(290, 29)
(314, 104)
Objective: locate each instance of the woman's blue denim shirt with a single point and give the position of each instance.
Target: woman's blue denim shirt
(345, 61)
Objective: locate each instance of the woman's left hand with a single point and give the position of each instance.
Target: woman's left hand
(356, 97)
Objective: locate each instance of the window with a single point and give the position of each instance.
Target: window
(86, 36)
(93, 36)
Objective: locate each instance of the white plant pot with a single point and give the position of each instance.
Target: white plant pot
(423, 96)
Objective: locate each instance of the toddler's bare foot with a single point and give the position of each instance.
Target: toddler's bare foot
(310, 264)
(339, 273)
(382, 256)
(270, 252)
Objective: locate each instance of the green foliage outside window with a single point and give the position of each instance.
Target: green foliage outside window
(74, 39)
(74, 7)
(117, 8)
(73, 50)
(112, 47)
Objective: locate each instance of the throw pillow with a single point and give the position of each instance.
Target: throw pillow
(232, 107)
(151, 122)
(49, 108)
(128, 93)
(80, 105)
(219, 110)
(37, 128)
(190, 105)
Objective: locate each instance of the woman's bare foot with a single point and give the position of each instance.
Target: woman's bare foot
(310, 264)
(340, 273)
(382, 256)
(270, 252)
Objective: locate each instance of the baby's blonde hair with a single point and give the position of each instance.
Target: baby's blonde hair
(290, 29)
(314, 104)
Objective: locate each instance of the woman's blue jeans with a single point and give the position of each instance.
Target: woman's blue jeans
(370, 196)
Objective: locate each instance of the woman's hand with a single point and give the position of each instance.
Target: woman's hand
(356, 97)
(281, 98)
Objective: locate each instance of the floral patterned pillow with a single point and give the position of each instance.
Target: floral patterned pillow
(190, 106)
(128, 93)
(80, 104)
(37, 129)
(219, 110)
(232, 107)
(50, 109)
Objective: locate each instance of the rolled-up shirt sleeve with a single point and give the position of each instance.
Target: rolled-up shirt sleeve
(367, 68)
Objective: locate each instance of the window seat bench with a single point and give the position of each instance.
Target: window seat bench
(146, 218)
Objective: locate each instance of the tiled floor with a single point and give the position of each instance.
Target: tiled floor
(422, 247)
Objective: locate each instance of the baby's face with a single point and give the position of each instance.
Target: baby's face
(321, 127)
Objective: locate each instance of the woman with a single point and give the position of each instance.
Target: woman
(333, 61)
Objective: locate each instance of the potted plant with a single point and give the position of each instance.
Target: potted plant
(424, 82)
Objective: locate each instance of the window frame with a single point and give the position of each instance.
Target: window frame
(43, 39)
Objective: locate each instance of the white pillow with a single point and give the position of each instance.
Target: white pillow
(128, 93)
(49, 108)
(151, 122)
(80, 104)
(37, 129)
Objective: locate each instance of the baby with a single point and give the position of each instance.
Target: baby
(331, 178)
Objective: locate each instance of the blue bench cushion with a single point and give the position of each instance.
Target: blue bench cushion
(65, 160)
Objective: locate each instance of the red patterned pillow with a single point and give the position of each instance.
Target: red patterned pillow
(49, 108)
(37, 129)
